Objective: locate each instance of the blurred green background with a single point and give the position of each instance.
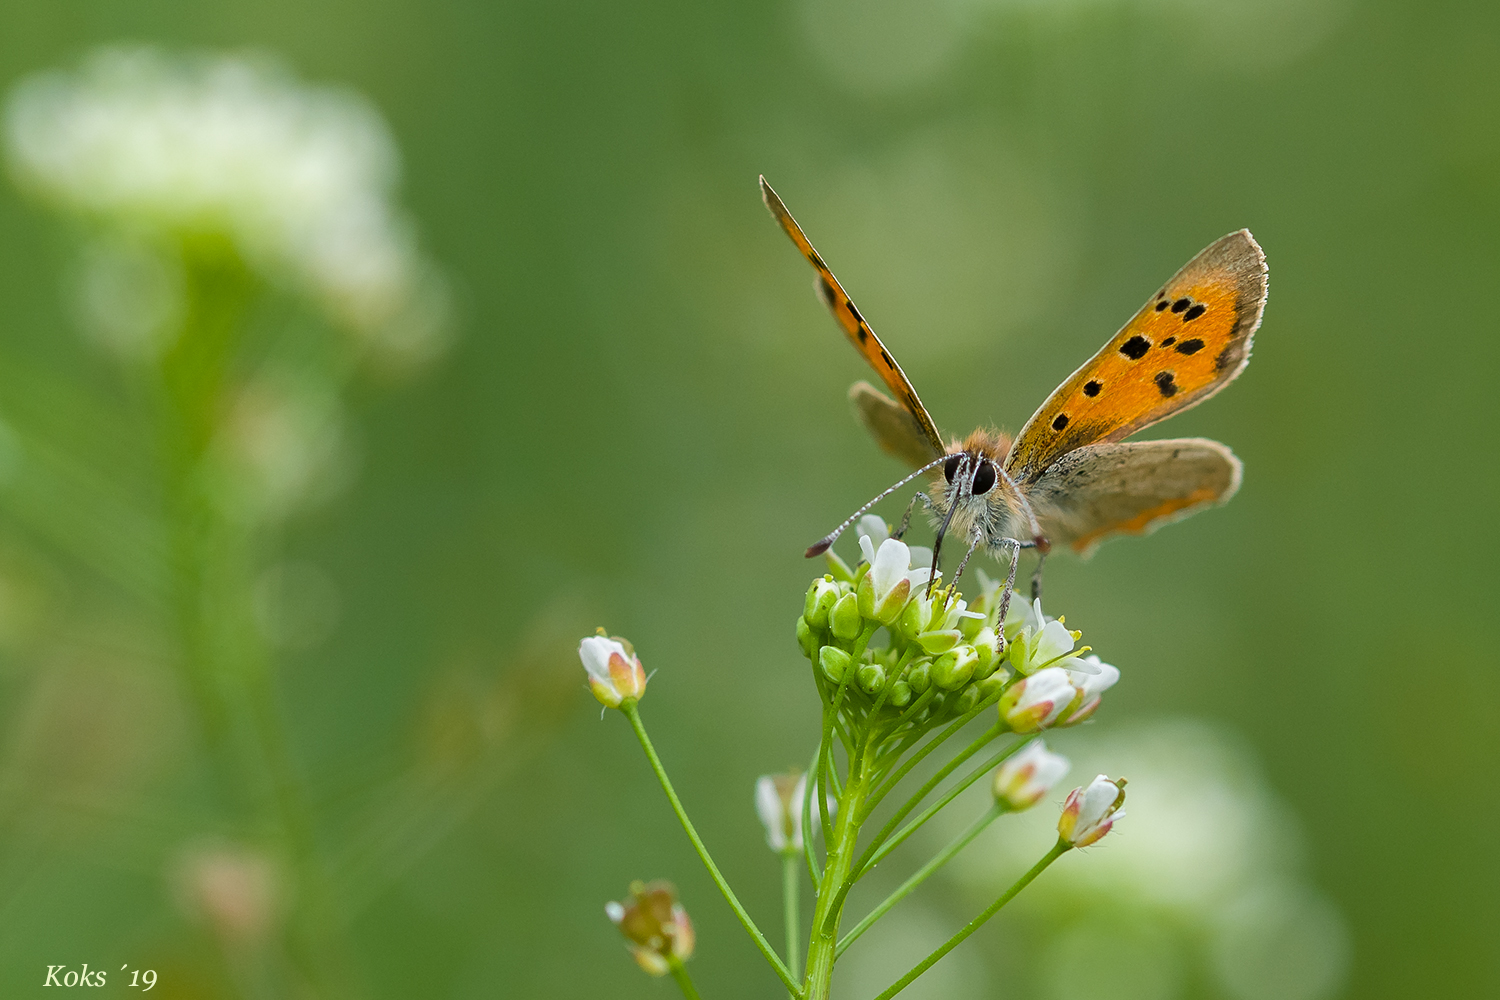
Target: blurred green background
(641, 421)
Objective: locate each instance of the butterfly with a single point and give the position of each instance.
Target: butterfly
(1069, 478)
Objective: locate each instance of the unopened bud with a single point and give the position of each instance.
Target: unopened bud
(919, 675)
(656, 926)
(900, 695)
(966, 700)
(954, 668)
(870, 677)
(615, 672)
(845, 619)
(807, 638)
(820, 600)
(1092, 811)
(985, 646)
(1028, 775)
(835, 663)
(940, 641)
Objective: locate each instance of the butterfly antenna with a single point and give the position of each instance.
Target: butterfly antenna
(826, 542)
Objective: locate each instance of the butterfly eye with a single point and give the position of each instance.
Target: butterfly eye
(984, 478)
(950, 467)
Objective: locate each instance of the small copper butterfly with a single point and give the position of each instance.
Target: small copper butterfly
(1069, 477)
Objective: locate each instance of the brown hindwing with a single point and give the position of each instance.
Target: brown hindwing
(1188, 342)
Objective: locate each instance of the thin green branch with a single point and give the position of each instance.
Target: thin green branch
(932, 810)
(1058, 850)
(922, 874)
(632, 712)
(927, 748)
(989, 734)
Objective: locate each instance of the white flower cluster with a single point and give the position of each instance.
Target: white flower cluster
(300, 178)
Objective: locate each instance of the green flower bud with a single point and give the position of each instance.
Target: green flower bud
(993, 684)
(919, 675)
(984, 643)
(940, 642)
(845, 619)
(970, 627)
(835, 663)
(820, 599)
(807, 639)
(870, 677)
(954, 668)
(967, 699)
(914, 618)
(900, 694)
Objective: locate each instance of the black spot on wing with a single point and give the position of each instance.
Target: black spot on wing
(1162, 305)
(1091, 388)
(1135, 348)
(1195, 312)
(1164, 382)
(1061, 422)
(1181, 304)
(1190, 346)
(1169, 342)
(887, 359)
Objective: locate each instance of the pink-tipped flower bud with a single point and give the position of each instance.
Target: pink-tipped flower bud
(1092, 811)
(1034, 703)
(615, 672)
(656, 926)
(1028, 775)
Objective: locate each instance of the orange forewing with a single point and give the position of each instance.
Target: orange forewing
(1186, 344)
(848, 315)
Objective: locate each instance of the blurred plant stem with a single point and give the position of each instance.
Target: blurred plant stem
(227, 667)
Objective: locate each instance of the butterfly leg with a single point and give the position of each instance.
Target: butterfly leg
(1010, 585)
(1036, 577)
(906, 518)
(977, 537)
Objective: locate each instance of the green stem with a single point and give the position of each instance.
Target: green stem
(684, 981)
(1058, 850)
(823, 942)
(633, 714)
(922, 874)
(932, 810)
(791, 907)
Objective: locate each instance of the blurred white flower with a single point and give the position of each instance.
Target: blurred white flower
(282, 446)
(300, 178)
(1210, 853)
(778, 803)
(235, 889)
(1028, 775)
